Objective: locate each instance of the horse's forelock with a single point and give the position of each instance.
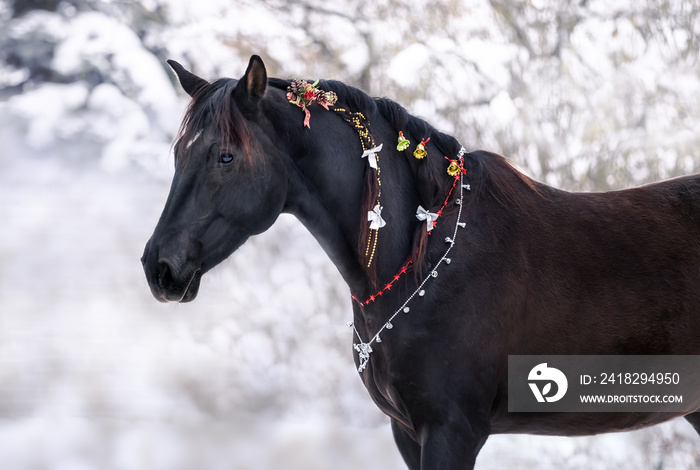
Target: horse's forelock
(213, 105)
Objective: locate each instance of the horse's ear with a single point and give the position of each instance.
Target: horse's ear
(189, 81)
(255, 78)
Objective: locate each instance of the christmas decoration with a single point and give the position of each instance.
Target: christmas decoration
(304, 94)
(364, 350)
(370, 150)
(429, 217)
(453, 168)
(371, 155)
(404, 269)
(420, 152)
(374, 217)
(403, 142)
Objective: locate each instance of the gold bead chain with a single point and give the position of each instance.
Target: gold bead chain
(357, 120)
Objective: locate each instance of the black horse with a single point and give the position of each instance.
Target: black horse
(491, 264)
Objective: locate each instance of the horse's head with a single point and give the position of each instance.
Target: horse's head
(228, 182)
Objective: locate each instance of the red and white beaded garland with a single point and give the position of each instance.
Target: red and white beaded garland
(364, 350)
(431, 224)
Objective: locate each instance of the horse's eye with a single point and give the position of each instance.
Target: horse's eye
(225, 158)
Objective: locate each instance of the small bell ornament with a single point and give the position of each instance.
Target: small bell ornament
(403, 142)
(420, 152)
(453, 169)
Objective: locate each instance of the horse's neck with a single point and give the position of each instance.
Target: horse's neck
(310, 206)
(326, 195)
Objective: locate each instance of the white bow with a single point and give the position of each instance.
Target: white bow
(375, 217)
(429, 217)
(371, 155)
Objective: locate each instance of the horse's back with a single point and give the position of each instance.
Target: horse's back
(605, 273)
(618, 272)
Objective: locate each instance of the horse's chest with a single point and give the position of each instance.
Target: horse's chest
(404, 381)
(395, 387)
(385, 395)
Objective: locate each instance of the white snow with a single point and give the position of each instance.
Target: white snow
(406, 66)
(45, 109)
(257, 372)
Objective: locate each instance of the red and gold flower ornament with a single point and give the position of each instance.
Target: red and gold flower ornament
(303, 94)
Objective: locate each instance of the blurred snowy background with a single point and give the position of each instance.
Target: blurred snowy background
(257, 373)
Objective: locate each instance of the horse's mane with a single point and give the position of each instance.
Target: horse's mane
(490, 174)
(431, 180)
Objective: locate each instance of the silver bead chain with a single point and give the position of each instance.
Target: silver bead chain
(365, 349)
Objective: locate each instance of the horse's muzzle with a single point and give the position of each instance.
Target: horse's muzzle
(171, 277)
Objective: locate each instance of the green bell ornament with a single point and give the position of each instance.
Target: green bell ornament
(403, 142)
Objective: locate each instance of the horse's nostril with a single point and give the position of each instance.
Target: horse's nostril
(165, 273)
